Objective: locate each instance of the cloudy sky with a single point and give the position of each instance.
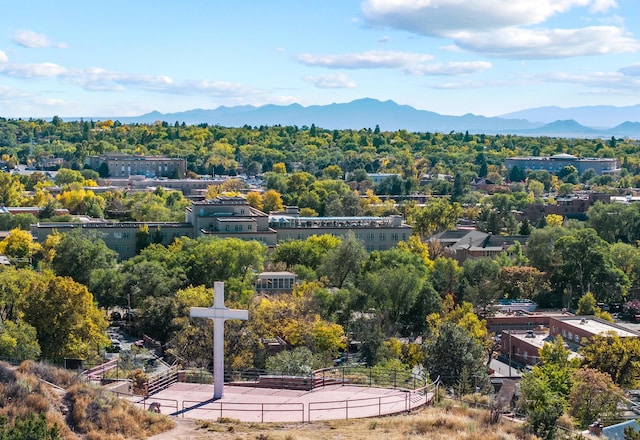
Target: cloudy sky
(488, 57)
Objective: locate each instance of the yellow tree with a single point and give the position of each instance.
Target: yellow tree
(554, 219)
(19, 245)
(66, 318)
(254, 199)
(272, 201)
(279, 168)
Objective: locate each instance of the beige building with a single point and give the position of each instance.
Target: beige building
(124, 165)
(233, 217)
(376, 233)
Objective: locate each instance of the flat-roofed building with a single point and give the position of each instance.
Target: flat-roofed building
(276, 282)
(555, 164)
(579, 328)
(230, 217)
(376, 233)
(125, 165)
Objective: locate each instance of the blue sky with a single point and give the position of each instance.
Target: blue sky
(488, 57)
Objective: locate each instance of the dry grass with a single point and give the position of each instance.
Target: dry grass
(80, 411)
(442, 423)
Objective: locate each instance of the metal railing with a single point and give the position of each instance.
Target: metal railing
(229, 409)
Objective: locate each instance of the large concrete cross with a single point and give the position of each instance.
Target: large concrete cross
(219, 314)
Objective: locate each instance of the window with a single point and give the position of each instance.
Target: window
(369, 236)
(394, 236)
(238, 228)
(249, 228)
(383, 236)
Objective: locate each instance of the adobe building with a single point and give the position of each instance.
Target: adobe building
(125, 165)
(233, 217)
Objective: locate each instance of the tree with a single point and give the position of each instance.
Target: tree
(438, 215)
(272, 201)
(451, 350)
(585, 264)
(18, 341)
(344, 260)
(298, 362)
(11, 190)
(594, 396)
(553, 220)
(19, 246)
(616, 356)
(587, 305)
(79, 253)
(542, 406)
(65, 317)
(65, 176)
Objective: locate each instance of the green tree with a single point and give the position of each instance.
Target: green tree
(18, 341)
(343, 261)
(79, 253)
(451, 350)
(65, 176)
(438, 215)
(298, 362)
(542, 406)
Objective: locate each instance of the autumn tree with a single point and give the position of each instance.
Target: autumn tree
(66, 319)
(594, 396)
(619, 357)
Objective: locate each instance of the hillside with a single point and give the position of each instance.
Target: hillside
(71, 409)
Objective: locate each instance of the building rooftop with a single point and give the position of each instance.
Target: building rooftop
(597, 326)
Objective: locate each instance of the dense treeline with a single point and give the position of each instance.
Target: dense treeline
(214, 149)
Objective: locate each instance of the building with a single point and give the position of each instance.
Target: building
(573, 206)
(522, 335)
(471, 243)
(124, 165)
(230, 217)
(233, 217)
(275, 282)
(118, 236)
(555, 164)
(376, 233)
(378, 178)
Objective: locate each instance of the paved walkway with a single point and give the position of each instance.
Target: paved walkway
(276, 405)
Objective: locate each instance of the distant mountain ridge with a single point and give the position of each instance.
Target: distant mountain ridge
(390, 116)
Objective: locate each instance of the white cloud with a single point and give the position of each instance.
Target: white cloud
(548, 43)
(364, 60)
(441, 17)
(451, 68)
(502, 28)
(338, 81)
(595, 82)
(601, 6)
(10, 93)
(42, 70)
(3, 57)
(30, 39)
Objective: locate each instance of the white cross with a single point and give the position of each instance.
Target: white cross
(219, 314)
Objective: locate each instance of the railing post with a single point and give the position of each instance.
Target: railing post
(379, 406)
(262, 413)
(346, 409)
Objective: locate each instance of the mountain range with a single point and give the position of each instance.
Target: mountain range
(578, 122)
